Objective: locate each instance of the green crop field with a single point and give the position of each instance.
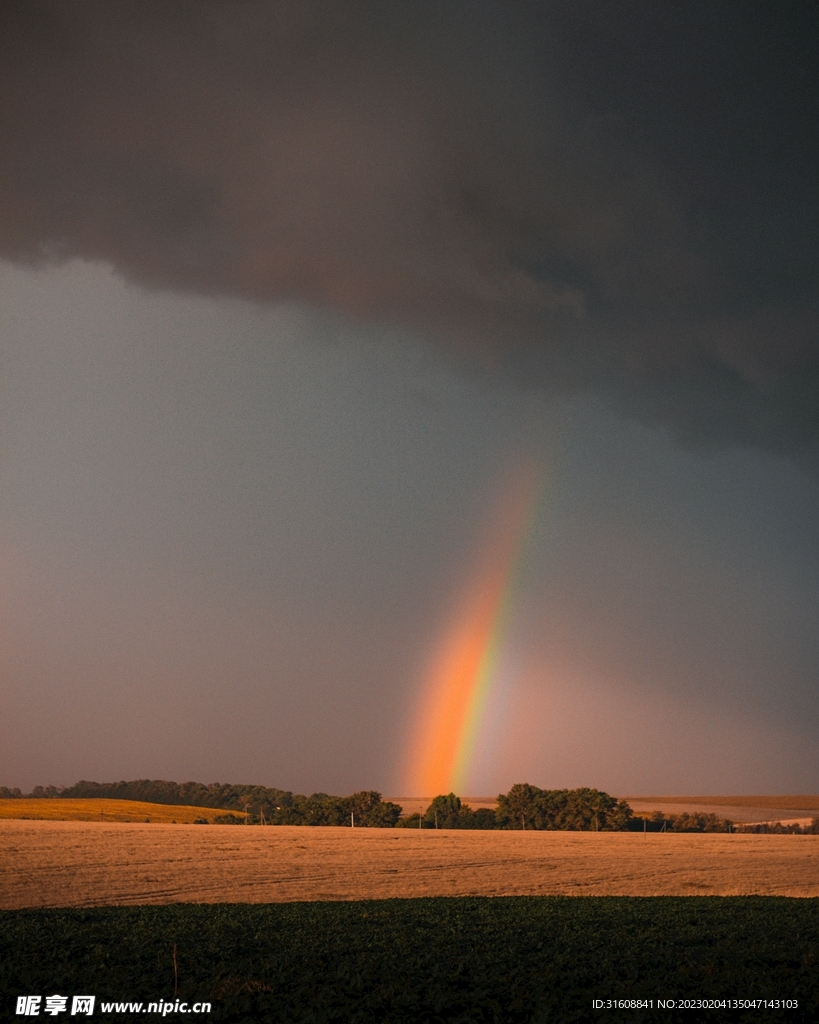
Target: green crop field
(427, 960)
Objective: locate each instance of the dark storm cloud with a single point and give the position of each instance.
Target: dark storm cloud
(622, 195)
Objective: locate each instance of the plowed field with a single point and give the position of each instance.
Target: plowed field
(84, 864)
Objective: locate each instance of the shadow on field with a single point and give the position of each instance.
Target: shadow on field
(504, 960)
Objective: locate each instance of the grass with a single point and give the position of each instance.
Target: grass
(93, 809)
(504, 960)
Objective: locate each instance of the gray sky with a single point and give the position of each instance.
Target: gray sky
(288, 290)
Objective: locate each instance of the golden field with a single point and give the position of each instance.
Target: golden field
(84, 864)
(104, 810)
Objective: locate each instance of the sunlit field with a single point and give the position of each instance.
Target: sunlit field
(85, 864)
(104, 810)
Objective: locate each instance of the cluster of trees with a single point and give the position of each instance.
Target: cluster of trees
(363, 809)
(573, 810)
(159, 791)
(253, 803)
(777, 828)
(527, 807)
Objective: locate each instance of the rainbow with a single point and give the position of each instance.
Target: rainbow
(462, 672)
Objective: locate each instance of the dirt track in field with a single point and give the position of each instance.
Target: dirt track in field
(85, 864)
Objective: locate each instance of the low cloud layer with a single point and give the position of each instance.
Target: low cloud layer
(577, 193)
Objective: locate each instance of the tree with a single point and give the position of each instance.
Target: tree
(483, 818)
(443, 812)
(370, 811)
(517, 808)
(618, 820)
(385, 814)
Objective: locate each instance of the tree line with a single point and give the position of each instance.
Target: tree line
(255, 804)
(524, 807)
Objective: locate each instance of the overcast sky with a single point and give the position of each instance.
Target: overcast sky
(288, 294)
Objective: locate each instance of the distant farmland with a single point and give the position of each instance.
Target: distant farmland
(800, 802)
(802, 808)
(105, 810)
